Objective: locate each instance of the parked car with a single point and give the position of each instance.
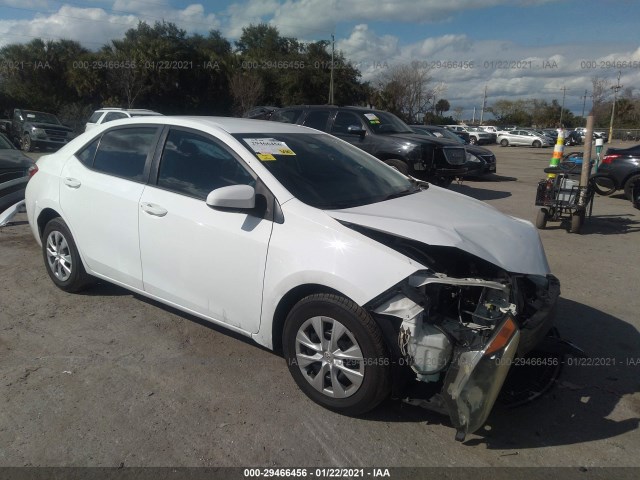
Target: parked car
(260, 113)
(105, 115)
(571, 137)
(459, 131)
(386, 137)
(31, 129)
(479, 137)
(368, 280)
(523, 137)
(491, 130)
(622, 167)
(15, 170)
(582, 131)
(480, 155)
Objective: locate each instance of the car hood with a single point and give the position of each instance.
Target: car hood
(441, 217)
(477, 150)
(14, 159)
(421, 139)
(51, 125)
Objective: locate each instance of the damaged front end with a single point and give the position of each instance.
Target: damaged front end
(461, 335)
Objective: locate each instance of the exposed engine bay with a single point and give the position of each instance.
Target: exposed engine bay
(459, 324)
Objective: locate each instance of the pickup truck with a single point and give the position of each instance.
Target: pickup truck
(31, 129)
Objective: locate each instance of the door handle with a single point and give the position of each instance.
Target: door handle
(72, 182)
(153, 209)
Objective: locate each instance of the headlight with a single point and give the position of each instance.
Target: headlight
(472, 158)
(38, 131)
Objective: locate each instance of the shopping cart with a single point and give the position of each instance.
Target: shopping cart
(559, 197)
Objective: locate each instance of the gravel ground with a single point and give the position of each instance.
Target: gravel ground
(108, 378)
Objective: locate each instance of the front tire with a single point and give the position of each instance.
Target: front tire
(61, 257)
(537, 144)
(473, 140)
(504, 142)
(27, 146)
(336, 354)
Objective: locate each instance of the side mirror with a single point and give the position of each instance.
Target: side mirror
(242, 197)
(356, 130)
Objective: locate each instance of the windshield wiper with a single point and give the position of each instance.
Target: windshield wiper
(403, 193)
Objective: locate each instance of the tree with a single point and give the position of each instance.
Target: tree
(442, 106)
(37, 74)
(457, 113)
(404, 90)
(511, 112)
(246, 89)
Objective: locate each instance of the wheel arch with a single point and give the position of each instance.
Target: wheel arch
(627, 178)
(45, 216)
(287, 302)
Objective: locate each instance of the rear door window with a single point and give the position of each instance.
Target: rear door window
(123, 152)
(317, 119)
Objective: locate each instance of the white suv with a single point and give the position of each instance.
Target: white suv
(105, 115)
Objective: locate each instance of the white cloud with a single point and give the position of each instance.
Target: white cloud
(94, 27)
(507, 69)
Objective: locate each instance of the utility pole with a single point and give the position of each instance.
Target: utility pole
(473, 120)
(615, 89)
(484, 103)
(584, 102)
(564, 93)
(333, 46)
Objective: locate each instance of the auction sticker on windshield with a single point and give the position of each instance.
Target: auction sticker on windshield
(372, 118)
(265, 148)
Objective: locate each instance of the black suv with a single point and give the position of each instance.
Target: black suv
(386, 137)
(30, 129)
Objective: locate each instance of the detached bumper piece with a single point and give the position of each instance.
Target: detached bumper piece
(475, 378)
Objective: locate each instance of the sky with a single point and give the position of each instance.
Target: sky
(516, 49)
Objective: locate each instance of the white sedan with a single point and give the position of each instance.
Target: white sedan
(365, 279)
(524, 137)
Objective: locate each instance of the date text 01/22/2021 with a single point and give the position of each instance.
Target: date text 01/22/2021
(316, 472)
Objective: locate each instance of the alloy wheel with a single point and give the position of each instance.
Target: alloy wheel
(59, 256)
(329, 357)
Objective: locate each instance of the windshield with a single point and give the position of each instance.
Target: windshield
(448, 134)
(5, 144)
(384, 122)
(325, 172)
(41, 117)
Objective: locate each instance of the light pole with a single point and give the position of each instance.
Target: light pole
(564, 93)
(333, 45)
(615, 89)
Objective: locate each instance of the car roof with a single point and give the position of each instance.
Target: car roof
(228, 124)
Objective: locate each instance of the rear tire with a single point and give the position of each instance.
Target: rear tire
(541, 219)
(473, 140)
(628, 186)
(61, 257)
(399, 165)
(504, 142)
(577, 219)
(331, 336)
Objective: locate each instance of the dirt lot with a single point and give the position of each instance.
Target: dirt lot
(106, 378)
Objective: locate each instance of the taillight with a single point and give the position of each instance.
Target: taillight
(610, 158)
(32, 170)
